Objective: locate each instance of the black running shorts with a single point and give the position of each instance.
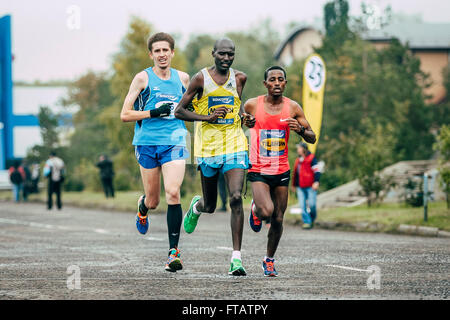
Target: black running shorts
(278, 180)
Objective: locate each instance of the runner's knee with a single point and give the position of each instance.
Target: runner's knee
(172, 194)
(209, 208)
(265, 211)
(235, 199)
(151, 204)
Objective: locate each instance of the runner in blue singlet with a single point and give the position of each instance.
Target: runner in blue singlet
(159, 138)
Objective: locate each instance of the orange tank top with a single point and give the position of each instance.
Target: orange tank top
(269, 140)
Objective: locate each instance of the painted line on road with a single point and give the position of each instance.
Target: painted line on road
(347, 268)
(227, 249)
(102, 231)
(44, 226)
(31, 224)
(224, 248)
(154, 239)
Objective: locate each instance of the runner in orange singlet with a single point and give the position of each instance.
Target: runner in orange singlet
(275, 116)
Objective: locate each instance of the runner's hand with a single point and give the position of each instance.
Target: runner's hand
(248, 120)
(218, 113)
(294, 125)
(162, 111)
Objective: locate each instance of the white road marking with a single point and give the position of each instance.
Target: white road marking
(102, 231)
(40, 225)
(26, 223)
(225, 248)
(346, 268)
(154, 239)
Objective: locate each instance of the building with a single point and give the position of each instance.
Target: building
(429, 42)
(19, 124)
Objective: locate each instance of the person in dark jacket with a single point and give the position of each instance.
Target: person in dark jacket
(17, 178)
(306, 183)
(106, 175)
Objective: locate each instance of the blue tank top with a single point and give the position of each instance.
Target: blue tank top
(160, 131)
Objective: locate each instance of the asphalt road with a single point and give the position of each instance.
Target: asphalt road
(41, 253)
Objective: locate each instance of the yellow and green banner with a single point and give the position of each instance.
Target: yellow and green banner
(314, 77)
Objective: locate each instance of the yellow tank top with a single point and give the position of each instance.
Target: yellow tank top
(225, 136)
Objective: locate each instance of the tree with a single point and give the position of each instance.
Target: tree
(48, 123)
(442, 145)
(91, 93)
(372, 153)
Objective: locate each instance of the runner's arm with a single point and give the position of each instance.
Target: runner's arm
(182, 112)
(249, 113)
(301, 125)
(128, 113)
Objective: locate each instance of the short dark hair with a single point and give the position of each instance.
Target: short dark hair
(161, 36)
(216, 44)
(266, 73)
(303, 145)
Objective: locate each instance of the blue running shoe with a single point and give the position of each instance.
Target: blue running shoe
(253, 220)
(141, 220)
(269, 268)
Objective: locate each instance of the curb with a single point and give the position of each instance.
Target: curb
(403, 229)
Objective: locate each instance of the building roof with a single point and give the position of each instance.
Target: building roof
(419, 35)
(294, 33)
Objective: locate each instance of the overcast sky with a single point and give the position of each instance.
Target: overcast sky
(46, 48)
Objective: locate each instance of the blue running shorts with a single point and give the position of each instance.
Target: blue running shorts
(150, 157)
(210, 166)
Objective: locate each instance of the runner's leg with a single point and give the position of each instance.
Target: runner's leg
(263, 201)
(151, 180)
(235, 181)
(280, 198)
(209, 200)
(173, 175)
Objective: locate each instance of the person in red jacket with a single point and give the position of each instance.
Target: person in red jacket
(306, 183)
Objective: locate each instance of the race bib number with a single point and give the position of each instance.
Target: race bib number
(167, 99)
(272, 143)
(217, 102)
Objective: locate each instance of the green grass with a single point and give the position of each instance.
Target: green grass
(389, 215)
(123, 201)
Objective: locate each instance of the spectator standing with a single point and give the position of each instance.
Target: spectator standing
(54, 171)
(35, 176)
(306, 183)
(17, 178)
(106, 175)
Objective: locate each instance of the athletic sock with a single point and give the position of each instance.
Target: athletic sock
(174, 219)
(266, 257)
(235, 255)
(142, 208)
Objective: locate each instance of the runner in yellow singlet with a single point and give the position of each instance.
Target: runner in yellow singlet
(220, 144)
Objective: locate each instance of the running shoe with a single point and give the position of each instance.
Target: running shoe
(141, 220)
(236, 268)
(306, 226)
(269, 268)
(253, 220)
(173, 262)
(191, 219)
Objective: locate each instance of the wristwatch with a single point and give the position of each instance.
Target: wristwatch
(302, 130)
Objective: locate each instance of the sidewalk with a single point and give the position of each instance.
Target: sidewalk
(364, 226)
